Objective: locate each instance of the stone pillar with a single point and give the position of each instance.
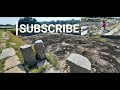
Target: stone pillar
(28, 55)
(40, 49)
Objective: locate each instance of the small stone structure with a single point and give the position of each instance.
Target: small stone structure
(28, 55)
(78, 63)
(30, 58)
(40, 49)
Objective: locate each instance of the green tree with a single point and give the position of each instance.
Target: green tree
(27, 20)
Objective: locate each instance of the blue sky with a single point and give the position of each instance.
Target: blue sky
(13, 20)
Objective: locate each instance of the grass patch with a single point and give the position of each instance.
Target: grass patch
(52, 60)
(15, 39)
(1, 33)
(103, 39)
(96, 37)
(13, 31)
(2, 61)
(19, 42)
(82, 50)
(1, 41)
(99, 38)
(39, 69)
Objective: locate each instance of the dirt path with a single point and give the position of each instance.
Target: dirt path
(113, 32)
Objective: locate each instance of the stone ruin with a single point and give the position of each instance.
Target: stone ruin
(78, 63)
(36, 56)
(28, 53)
(40, 49)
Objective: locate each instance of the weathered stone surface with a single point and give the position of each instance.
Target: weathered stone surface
(28, 55)
(52, 70)
(17, 69)
(117, 59)
(40, 49)
(8, 52)
(78, 63)
(40, 63)
(46, 63)
(93, 70)
(11, 62)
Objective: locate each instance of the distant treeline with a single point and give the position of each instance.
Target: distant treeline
(30, 20)
(6, 25)
(72, 21)
(94, 19)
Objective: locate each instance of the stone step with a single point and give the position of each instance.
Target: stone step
(11, 62)
(17, 69)
(8, 52)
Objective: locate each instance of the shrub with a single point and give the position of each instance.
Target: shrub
(2, 65)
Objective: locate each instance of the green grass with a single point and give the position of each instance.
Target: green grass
(52, 60)
(19, 42)
(82, 49)
(1, 33)
(99, 38)
(96, 37)
(2, 65)
(39, 69)
(15, 39)
(102, 39)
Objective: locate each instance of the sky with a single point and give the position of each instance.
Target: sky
(13, 20)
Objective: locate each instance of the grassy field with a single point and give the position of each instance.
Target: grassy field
(13, 39)
(1, 32)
